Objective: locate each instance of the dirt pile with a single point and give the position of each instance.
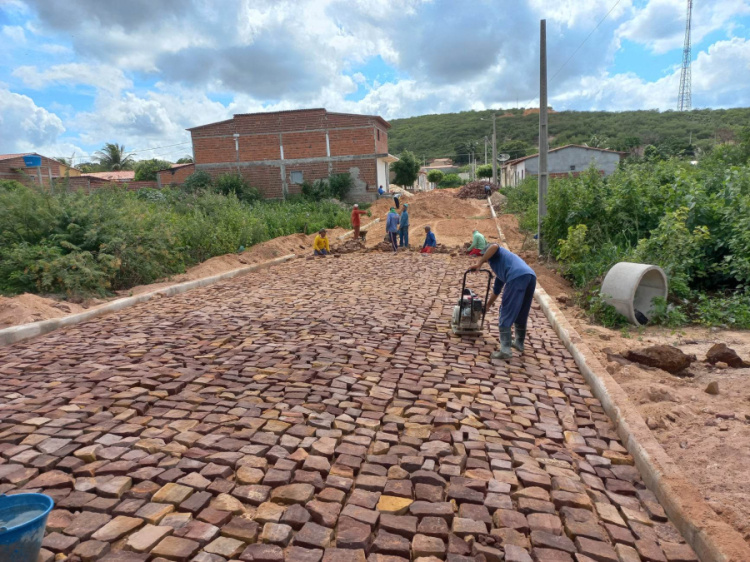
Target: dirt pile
(26, 308)
(475, 189)
(348, 246)
(665, 357)
(429, 205)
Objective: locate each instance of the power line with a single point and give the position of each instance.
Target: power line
(584, 41)
(138, 151)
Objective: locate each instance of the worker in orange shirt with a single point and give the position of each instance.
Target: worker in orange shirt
(356, 219)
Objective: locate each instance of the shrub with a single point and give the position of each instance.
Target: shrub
(198, 181)
(484, 171)
(336, 186)
(450, 180)
(76, 244)
(236, 184)
(435, 176)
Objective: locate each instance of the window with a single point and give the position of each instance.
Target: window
(296, 177)
(572, 168)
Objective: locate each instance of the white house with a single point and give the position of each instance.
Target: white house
(565, 160)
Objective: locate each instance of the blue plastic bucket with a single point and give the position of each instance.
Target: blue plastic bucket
(23, 518)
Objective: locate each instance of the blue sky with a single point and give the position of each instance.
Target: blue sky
(79, 73)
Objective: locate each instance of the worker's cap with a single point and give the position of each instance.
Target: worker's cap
(406, 205)
(393, 209)
(322, 231)
(356, 206)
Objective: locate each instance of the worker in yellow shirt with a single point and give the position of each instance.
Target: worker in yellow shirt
(321, 246)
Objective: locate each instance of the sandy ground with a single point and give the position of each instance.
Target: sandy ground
(707, 435)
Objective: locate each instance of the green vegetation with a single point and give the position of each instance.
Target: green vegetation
(435, 176)
(692, 220)
(145, 170)
(484, 171)
(75, 244)
(113, 157)
(435, 136)
(451, 180)
(406, 169)
(335, 187)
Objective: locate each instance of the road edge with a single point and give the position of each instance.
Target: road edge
(22, 332)
(711, 538)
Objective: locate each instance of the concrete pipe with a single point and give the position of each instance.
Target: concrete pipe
(631, 287)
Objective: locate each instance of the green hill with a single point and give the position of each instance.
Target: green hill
(445, 135)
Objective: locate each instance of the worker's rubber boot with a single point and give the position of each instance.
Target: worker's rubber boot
(505, 351)
(520, 337)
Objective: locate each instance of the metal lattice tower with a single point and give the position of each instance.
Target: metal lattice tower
(684, 102)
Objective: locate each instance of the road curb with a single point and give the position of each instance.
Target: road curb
(15, 334)
(712, 539)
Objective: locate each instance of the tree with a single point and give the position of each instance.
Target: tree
(406, 169)
(484, 171)
(145, 170)
(435, 176)
(112, 157)
(185, 160)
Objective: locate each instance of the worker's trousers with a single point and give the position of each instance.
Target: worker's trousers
(403, 236)
(517, 296)
(394, 240)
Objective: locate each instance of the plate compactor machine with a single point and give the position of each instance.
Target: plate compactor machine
(468, 314)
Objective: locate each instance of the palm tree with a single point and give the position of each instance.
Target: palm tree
(113, 157)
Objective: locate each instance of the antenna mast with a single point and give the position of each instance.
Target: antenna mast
(684, 102)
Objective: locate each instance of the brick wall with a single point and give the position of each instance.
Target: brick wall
(304, 145)
(175, 176)
(15, 169)
(303, 137)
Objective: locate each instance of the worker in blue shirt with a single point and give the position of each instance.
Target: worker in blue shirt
(391, 227)
(429, 241)
(403, 228)
(520, 282)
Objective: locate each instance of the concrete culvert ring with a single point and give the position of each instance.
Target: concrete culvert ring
(632, 287)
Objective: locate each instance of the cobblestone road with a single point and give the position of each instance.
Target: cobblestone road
(320, 410)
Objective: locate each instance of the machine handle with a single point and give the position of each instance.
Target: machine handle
(486, 296)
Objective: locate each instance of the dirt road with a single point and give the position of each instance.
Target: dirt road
(318, 410)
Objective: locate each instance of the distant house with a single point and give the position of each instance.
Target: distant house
(567, 160)
(13, 167)
(445, 165)
(119, 176)
(276, 152)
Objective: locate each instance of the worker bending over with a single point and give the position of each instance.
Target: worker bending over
(478, 244)
(429, 241)
(519, 281)
(320, 245)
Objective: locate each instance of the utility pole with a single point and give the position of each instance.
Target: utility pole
(494, 150)
(485, 150)
(543, 133)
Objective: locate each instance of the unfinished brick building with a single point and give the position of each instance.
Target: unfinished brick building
(276, 152)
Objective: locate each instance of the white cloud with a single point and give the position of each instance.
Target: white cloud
(102, 77)
(14, 33)
(24, 124)
(660, 24)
